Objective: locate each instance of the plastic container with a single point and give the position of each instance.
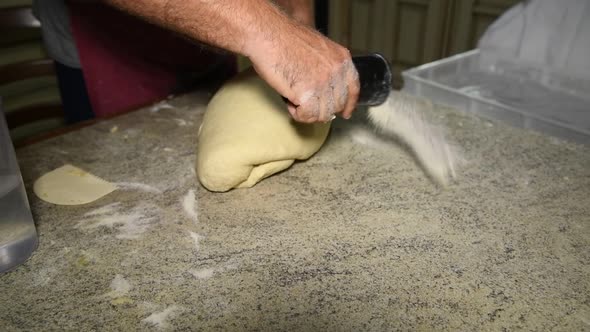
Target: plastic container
(497, 87)
(18, 236)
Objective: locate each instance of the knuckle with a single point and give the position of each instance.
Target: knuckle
(344, 51)
(306, 116)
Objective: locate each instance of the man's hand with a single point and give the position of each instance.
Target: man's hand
(316, 75)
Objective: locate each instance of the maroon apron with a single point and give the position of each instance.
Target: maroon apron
(128, 63)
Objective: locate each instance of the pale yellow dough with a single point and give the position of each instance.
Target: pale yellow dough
(247, 135)
(69, 185)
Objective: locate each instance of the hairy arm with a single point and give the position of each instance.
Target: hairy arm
(229, 24)
(300, 10)
(315, 74)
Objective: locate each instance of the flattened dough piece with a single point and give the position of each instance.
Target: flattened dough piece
(69, 185)
(247, 135)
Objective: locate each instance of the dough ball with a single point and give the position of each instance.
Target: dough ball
(247, 135)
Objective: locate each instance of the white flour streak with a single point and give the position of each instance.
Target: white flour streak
(181, 122)
(160, 106)
(189, 205)
(138, 186)
(159, 319)
(208, 272)
(44, 275)
(130, 224)
(107, 209)
(119, 286)
(196, 238)
(203, 273)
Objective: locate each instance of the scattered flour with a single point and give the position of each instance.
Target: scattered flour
(160, 319)
(130, 224)
(205, 273)
(44, 275)
(402, 116)
(138, 186)
(52, 269)
(196, 238)
(189, 205)
(119, 286)
(160, 106)
(208, 272)
(110, 208)
(180, 122)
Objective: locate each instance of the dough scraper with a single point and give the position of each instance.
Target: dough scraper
(403, 116)
(374, 78)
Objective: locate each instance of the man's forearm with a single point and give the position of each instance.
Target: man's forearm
(313, 73)
(234, 25)
(300, 10)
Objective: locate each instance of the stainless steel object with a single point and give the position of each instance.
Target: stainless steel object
(18, 236)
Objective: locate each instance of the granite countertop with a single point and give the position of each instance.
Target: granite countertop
(354, 239)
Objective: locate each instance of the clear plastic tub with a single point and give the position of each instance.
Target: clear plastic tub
(18, 236)
(496, 87)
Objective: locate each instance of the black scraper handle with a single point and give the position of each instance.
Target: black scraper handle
(375, 79)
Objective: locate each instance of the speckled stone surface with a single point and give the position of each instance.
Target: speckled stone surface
(355, 239)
